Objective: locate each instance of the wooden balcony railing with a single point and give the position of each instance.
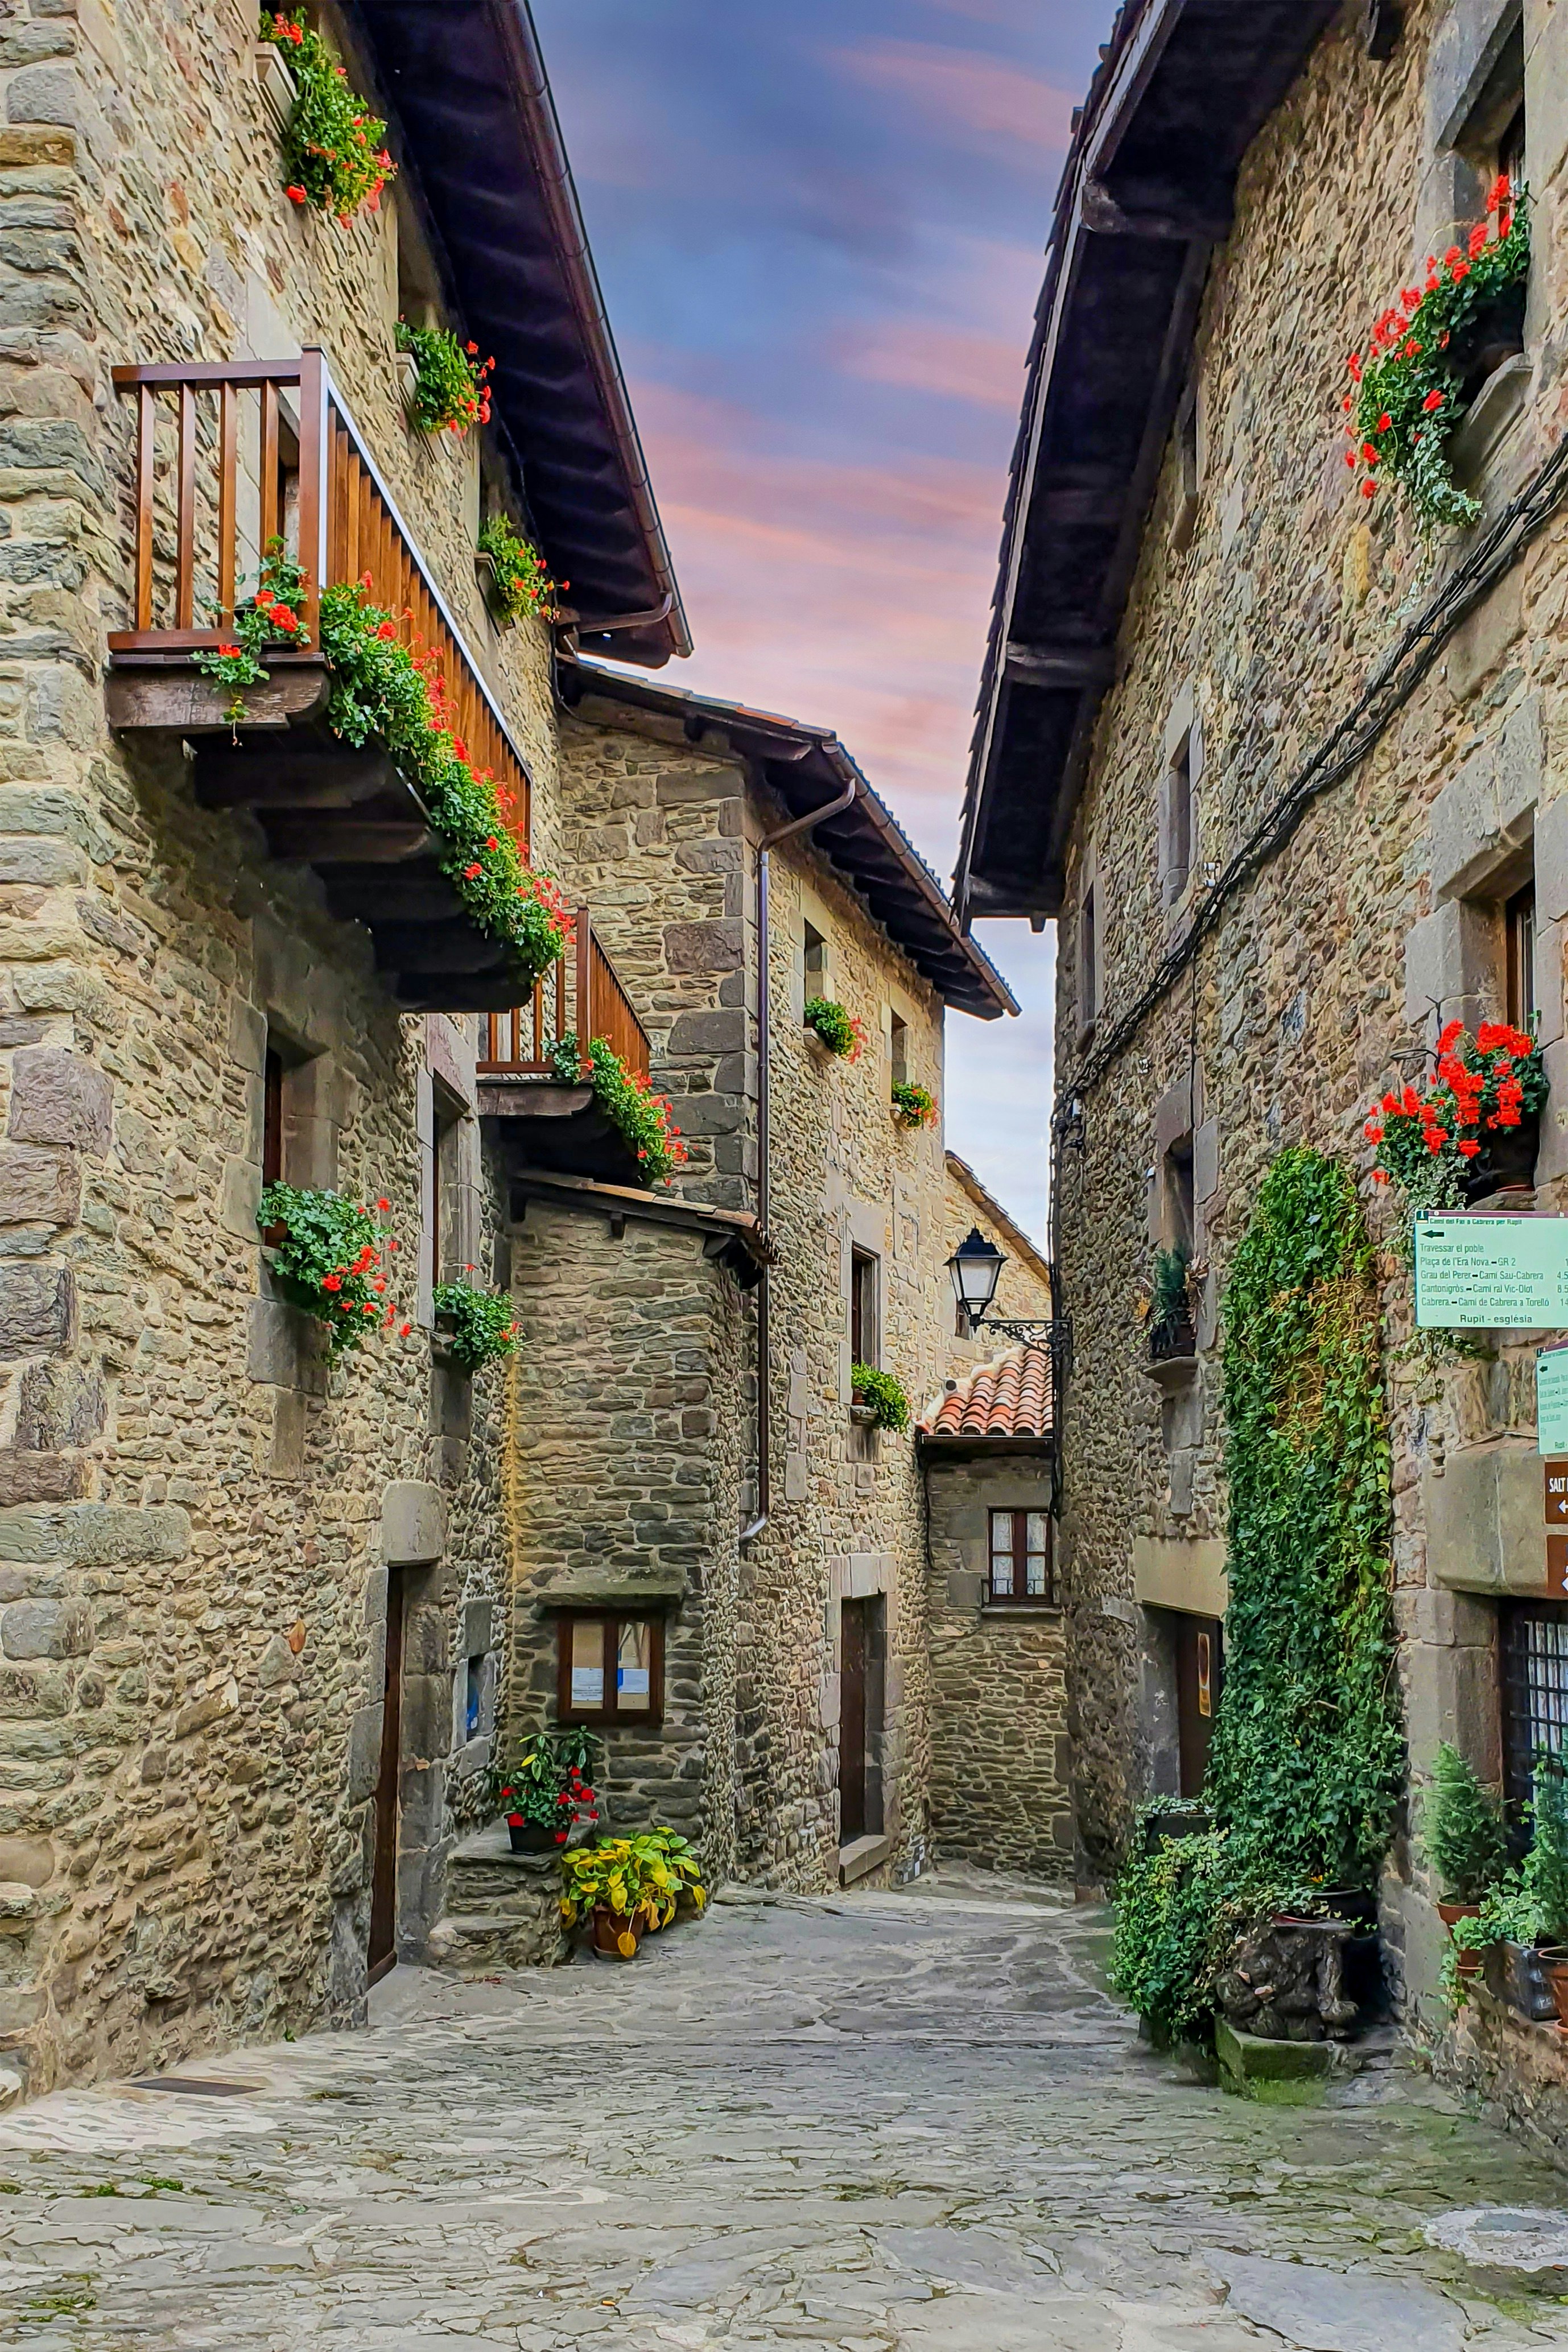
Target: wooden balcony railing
(592, 1002)
(230, 456)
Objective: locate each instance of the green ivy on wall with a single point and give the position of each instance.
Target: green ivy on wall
(1308, 1758)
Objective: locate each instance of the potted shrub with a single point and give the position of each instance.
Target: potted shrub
(672, 1875)
(609, 1884)
(836, 1031)
(913, 1106)
(334, 155)
(1546, 1868)
(1172, 1329)
(546, 1795)
(514, 575)
(451, 383)
(881, 1398)
(478, 1324)
(1463, 1836)
(331, 1258)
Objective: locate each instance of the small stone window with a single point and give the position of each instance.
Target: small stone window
(813, 961)
(899, 1048)
(1088, 959)
(1184, 511)
(610, 1669)
(1518, 927)
(865, 1318)
(1534, 1661)
(1021, 1562)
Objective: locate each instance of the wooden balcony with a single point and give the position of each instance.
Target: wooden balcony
(547, 1123)
(229, 457)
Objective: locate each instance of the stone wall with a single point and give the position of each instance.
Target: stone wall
(194, 1531)
(1001, 1765)
(1249, 640)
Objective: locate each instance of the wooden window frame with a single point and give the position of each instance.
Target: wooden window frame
(1519, 930)
(865, 1307)
(648, 1718)
(1019, 1598)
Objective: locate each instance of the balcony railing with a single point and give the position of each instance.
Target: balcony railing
(232, 455)
(591, 1002)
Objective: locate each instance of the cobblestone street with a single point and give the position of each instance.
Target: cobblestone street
(888, 2119)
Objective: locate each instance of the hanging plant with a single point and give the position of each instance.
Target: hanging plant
(1446, 1139)
(522, 582)
(381, 689)
(885, 1395)
(1407, 392)
(646, 1120)
(913, 1106)
(481, 1320)
(451, 383)
(839, 1031)
(333, 1258)
(271, 616)
(334, 153)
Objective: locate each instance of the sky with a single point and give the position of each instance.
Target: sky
(820, 230)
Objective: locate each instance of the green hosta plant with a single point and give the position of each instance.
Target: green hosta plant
(1406, 394)
(839, 1031)
(1462, 1830)
(451, 381)
(646, 1120)
(483, 1327)
(522, 577)
(334, 147)
(890, 1406)
(332, 1256)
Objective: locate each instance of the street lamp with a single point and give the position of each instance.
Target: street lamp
(975, 1266)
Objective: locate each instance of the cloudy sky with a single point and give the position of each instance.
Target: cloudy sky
(819, 228)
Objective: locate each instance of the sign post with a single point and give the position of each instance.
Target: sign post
(1491, 1273)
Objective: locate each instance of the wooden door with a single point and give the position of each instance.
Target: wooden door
(852, 1723)
(1199, 1672)
(383, 1952)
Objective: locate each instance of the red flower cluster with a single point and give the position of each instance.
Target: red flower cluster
(1472, 1090)
(580, 1798)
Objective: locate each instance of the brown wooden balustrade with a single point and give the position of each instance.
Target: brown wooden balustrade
(230, 456)
(593, 1004)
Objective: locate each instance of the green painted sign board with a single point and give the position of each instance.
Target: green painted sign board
(1552, 1400)
(1491, 1273)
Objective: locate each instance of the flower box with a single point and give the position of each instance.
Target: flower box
(863, 1416)
(278, 88)
(407, 382)
(1507, 1162)
(1513, 1974)
(488, 577)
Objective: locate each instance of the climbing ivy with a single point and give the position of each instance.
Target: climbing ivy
(1307, 1756)
(1307, 1762)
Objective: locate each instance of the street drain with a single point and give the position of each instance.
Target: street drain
(193, 2087)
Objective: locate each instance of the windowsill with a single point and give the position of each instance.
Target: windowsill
(1034, 1606)
(861, 1856)
(1495, 409)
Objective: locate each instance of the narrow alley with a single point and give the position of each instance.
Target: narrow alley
(886, 2119)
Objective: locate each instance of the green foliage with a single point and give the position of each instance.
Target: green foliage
(556, 1764)
(1546, 1864)
(838, 1030)
(1178, 1911)
(451, 381)
(645, 1119)
(1462, 1830)
(331, 1259)
(482, 1319)
(522, 577)
(334, 148)
(270, 616)
(646, 1874)
(382, 690)
(1510, 1913)
(1407, 398)
(913, 1106)
(1307, 1756)
(883, 1393)
(1169, 1305)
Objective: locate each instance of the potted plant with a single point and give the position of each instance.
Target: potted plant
(334, 155)
(672, 1875)
(1463, 1836)
(1172, 1329)
(836, 1031)
(514, 575)
(913, 1106)
(546, 1795)
(331, 1258)
(1546, 1868)
(1473, 1128)
(883, 1398)
(609, 1884)
(451, 383)
(644, 1120)
(479, 1324)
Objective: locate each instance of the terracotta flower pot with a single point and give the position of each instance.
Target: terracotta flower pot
(1450, 1913)
(617, 1935)
(1555, 1969)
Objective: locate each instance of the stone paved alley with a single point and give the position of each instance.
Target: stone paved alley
(888, 2119)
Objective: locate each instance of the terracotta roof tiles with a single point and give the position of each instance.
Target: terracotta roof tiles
(1010, 1397)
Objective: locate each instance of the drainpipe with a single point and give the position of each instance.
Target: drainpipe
(770, 840)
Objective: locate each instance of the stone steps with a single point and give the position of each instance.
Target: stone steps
(502, 1909)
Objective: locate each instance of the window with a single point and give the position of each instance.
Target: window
(1533, 1658)
(1518, 923)
(445, 1245)
(474, 1699)
(899, 1049)
(1184, 511)
(1021, 1557)
(1088, 959)
(1179, 1218)
(1178, 842)
(814, 961)
(865, 1338)
(272, 1118)
(610, 1669)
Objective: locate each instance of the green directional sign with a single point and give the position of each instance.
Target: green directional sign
(1489, 1273)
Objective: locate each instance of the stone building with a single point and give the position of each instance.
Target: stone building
(253, 1597)
(1291, 778)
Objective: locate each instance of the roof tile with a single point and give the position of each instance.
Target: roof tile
(1010, 1397)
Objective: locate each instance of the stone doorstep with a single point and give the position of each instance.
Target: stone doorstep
(861, 1856)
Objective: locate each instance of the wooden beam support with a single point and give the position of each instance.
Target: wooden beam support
(333, 840)
(1155, 209)
(310, 775)
(175, 701)
(1060, 666)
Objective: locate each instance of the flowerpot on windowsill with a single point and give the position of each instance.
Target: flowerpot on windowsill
(1507, 1160)
(1173, 1343)
(819, 1046)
